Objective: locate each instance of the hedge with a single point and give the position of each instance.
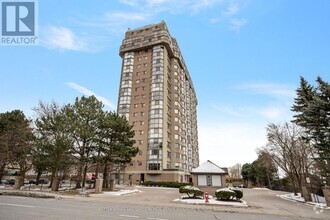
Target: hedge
(225, 194)
(228, 194)
(191, 191)
(239, 193)
(165, 184)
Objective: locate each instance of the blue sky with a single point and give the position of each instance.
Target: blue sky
(244, 56)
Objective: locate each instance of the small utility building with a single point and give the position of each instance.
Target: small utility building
(209, 177)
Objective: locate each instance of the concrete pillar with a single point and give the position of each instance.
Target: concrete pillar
(19, 181)
(326, 192)
(98, 185)
(112, 185)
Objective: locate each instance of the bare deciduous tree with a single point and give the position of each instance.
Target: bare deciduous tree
(235, 171)
(290, 151)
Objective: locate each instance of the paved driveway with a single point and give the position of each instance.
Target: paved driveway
(268, 202)
(259, 201)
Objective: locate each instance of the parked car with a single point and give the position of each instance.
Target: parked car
(43, 181)
(10, 182)
(32, 181)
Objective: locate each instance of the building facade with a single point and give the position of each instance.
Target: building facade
(157, 96)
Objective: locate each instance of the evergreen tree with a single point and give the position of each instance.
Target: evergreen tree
(83, 118)
(312, 107)
(53, 143)
(16, 142)
(115, 142)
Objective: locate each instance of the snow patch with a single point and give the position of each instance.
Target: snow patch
(212, 201)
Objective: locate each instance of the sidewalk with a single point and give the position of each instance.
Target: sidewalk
(298, 198)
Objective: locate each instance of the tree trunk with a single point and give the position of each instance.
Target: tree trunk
(80, 168)
(84, 177)
(105, 176)
(293, 181)
(2, 171)
(56, 182)
(52, 178)
(96, 173)
(38, 176)
(268, 180)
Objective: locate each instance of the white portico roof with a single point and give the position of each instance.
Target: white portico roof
(209, 167)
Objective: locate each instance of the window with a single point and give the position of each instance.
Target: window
(145, 57)
(154, 166)
(145, 64)
(177, 155)
(137, 73)
(143, 104)
(143, 96)
(134, 114)
(141, 132)
(139, 58)
(138, 66)
(201, 179)
(216, 180)
(144, 72)
(141, 122)
(144, 80)
(140, 142)
(140, 152)
(139, 163)
(135, 105)
(137, 81)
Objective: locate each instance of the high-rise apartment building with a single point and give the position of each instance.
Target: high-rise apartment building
(157, 96)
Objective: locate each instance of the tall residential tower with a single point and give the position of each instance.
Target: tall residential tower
(157, 96)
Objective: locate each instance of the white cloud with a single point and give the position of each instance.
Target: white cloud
(199, 5)
(62, 38)
(227, 110)
(227, 144)
(155, 2)
(237, 23)
(129, 2)
(127, 16)
(229, 16)
(231, 10)
(273, 112)
(278, 90)
(88, 92)
(214, 20)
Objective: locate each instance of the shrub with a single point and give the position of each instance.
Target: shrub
(239, 193)
(165, 184)
(225, 194)
(191, 191)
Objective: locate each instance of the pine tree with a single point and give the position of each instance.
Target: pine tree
(312, 106)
